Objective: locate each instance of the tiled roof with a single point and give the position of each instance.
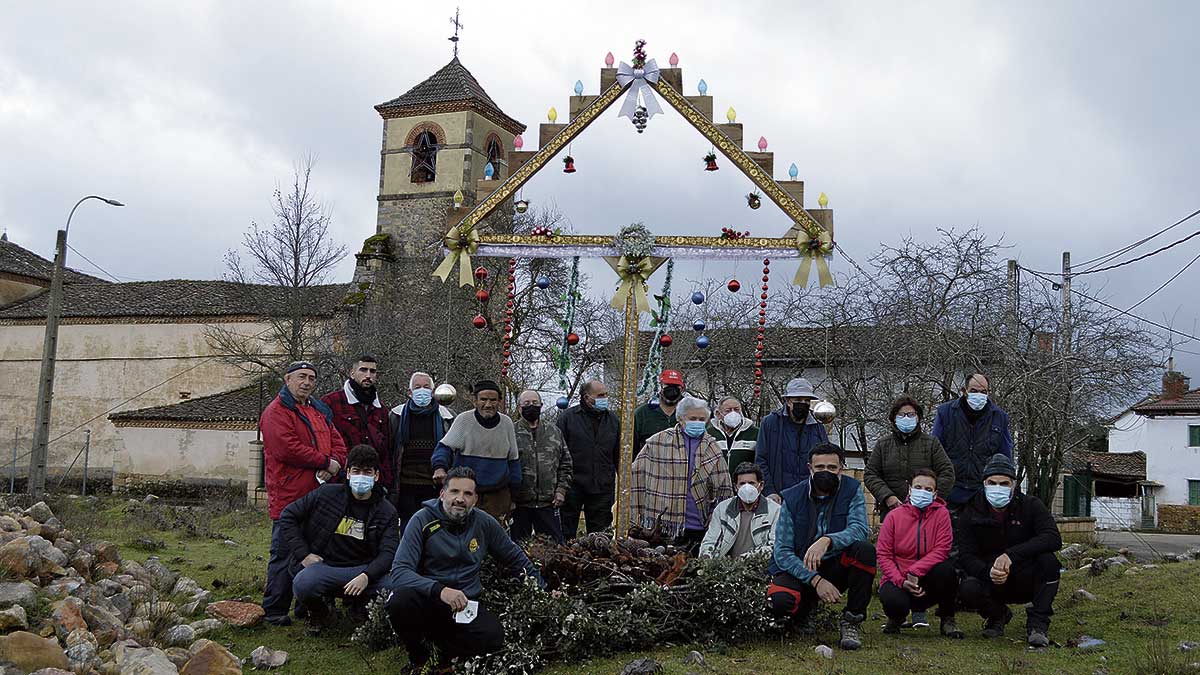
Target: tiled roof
(25, 263)
(174, 298)
(1188, 404)
(452, 84)
(1130, 465)
(239, 405)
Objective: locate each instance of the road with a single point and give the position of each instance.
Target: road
(1145, 546)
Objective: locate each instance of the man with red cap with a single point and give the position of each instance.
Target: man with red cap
(659, 414)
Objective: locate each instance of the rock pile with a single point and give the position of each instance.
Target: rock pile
(68, 605)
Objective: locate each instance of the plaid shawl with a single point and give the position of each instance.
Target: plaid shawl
(660, 479)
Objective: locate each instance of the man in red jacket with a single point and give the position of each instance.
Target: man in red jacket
(300, 445)
(360, 417)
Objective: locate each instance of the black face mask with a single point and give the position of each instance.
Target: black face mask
(799, 411)
(672, 393)
(825, 482)
(531, 413)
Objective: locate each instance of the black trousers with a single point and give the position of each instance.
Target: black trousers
(852, 571)
(527, 520)
(596, 509)
(941, 589)
(409, 499)
(417, 617)
(1033, 581)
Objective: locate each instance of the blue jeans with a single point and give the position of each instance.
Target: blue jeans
(277, 591)
(318, 581)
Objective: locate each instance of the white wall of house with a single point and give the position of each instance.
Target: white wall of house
(184, 454)
(1169, 459)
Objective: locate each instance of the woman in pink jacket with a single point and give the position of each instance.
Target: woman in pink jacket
(914, 543)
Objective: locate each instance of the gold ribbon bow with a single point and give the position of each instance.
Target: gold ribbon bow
(633, 274)
(814, 245)
(461, 245)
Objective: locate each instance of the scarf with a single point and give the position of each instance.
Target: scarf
(661, 481)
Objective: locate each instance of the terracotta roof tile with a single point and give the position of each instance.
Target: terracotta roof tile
(238, 405)
(1130, 465)
(25, 263)
(1189, 403)
(452, 84)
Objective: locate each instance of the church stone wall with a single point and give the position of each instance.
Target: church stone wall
(99, 366)
(397, 164)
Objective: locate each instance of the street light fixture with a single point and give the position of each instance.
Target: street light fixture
(41, 427)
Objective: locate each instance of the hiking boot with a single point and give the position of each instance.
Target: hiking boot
(994, 627)
(1037, 638)
(281, 620)
(804, 625)
(950, 628)
(920, 620)
(851, 636)
(892, 627)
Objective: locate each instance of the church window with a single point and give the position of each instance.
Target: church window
(494, 154)
(424, 158)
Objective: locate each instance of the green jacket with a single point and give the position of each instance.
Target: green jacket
(648, 421)
(737, 447)
(545, 464)
(892, 463)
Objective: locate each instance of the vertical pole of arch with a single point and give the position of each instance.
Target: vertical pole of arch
(629, 384)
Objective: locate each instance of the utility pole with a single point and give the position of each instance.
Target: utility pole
(1014, 306)
(1066, 303)
(41, 428)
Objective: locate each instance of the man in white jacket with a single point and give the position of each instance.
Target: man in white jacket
(744, 524)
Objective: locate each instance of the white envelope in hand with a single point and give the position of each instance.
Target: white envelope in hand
(467, 615)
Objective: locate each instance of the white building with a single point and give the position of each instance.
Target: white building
(1166, 427)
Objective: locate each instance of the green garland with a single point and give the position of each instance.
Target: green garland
(660, 322)
(562, 354)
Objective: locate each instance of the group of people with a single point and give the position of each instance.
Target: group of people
(410, 501)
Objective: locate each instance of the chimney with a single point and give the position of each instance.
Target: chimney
(1174, 384)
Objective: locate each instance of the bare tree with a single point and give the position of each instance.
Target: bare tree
(293, 258)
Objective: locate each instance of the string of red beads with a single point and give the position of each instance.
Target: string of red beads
(762, 328)
(508, 317)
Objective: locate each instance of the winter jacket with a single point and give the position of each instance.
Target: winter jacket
(594, 440)
(490, 453)
(803, 520)
(362, 423)
(309, 522)
(398, 433)
(896, 458)
(1024, 530)
(296, 446)
(545, 464)
(970, 446)
(436, 553)
(912, 541)
(782, 449)
(737, 447)
(727, 517)
(648, 421)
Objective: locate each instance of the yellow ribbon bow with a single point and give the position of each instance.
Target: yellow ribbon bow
(814, 246)
(633, 274)
(461, 245)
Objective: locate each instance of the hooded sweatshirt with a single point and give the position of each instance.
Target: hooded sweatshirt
(913, 541)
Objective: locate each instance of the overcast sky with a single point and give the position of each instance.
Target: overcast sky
(1057, 125)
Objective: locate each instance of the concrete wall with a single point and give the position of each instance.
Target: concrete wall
(185, 454)
(99, 367)
(1169, 460)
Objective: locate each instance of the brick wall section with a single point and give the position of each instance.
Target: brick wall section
(1179, 518)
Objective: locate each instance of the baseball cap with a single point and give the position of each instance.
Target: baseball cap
(671, 377)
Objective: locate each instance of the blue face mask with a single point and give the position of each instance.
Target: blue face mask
(422, 397)
(361, 485)
(920, 498)
(906, 424)
(694, 428)
(600, 403)
(977, 400)
(998, 495)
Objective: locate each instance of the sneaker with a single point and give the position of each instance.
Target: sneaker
(994, 628)
(892, 627)
(920, 620)
(1037, 638)
(950, 629)
(851, 636)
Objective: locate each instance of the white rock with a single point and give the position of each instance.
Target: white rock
(824, 650)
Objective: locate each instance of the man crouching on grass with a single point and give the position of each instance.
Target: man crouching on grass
(344, 536)
(435, 577)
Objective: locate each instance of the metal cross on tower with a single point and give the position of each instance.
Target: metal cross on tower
(457, 25)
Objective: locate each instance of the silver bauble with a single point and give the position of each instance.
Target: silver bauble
(445, 393)
(824, 411)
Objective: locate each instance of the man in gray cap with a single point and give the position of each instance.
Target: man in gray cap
(1006, 546)
(786, 438)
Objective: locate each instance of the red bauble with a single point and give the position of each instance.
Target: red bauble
(481, 273)
(572, 339)
(512, 278)
(763, 296)
(509, 304)
(507, 353)
(482, 295)
(763, 304)
(758, 372)
(766, 278)
(479, 321)
(734, 286)
(766, 261)
(762, 322)
(665, 340)
(758, 364)
(764, 287)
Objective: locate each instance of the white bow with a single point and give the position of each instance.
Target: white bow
(641, 78)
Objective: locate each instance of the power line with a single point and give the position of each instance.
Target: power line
(89, 260)
(1121, 251)
(1114, 266)
(1164, 284)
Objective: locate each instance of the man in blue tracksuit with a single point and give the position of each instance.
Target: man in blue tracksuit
(785, 439)
(435, 575)
(971, 428)
(821, 547)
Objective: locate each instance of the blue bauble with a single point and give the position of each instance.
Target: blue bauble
(697, 297)
(562, 402)
(543, 282)
(698, 326)
(702, 342)
(653, 404)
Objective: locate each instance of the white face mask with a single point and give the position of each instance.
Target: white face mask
(732, 419)
(748, 493)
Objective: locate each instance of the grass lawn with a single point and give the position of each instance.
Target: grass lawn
(1143, 616)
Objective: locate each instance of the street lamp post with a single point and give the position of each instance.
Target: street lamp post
(41, 428)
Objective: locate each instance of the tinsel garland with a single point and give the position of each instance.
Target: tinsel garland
(661, 320)
(563, 358)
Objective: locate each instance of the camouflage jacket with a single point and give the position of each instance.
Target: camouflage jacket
(545, 463)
